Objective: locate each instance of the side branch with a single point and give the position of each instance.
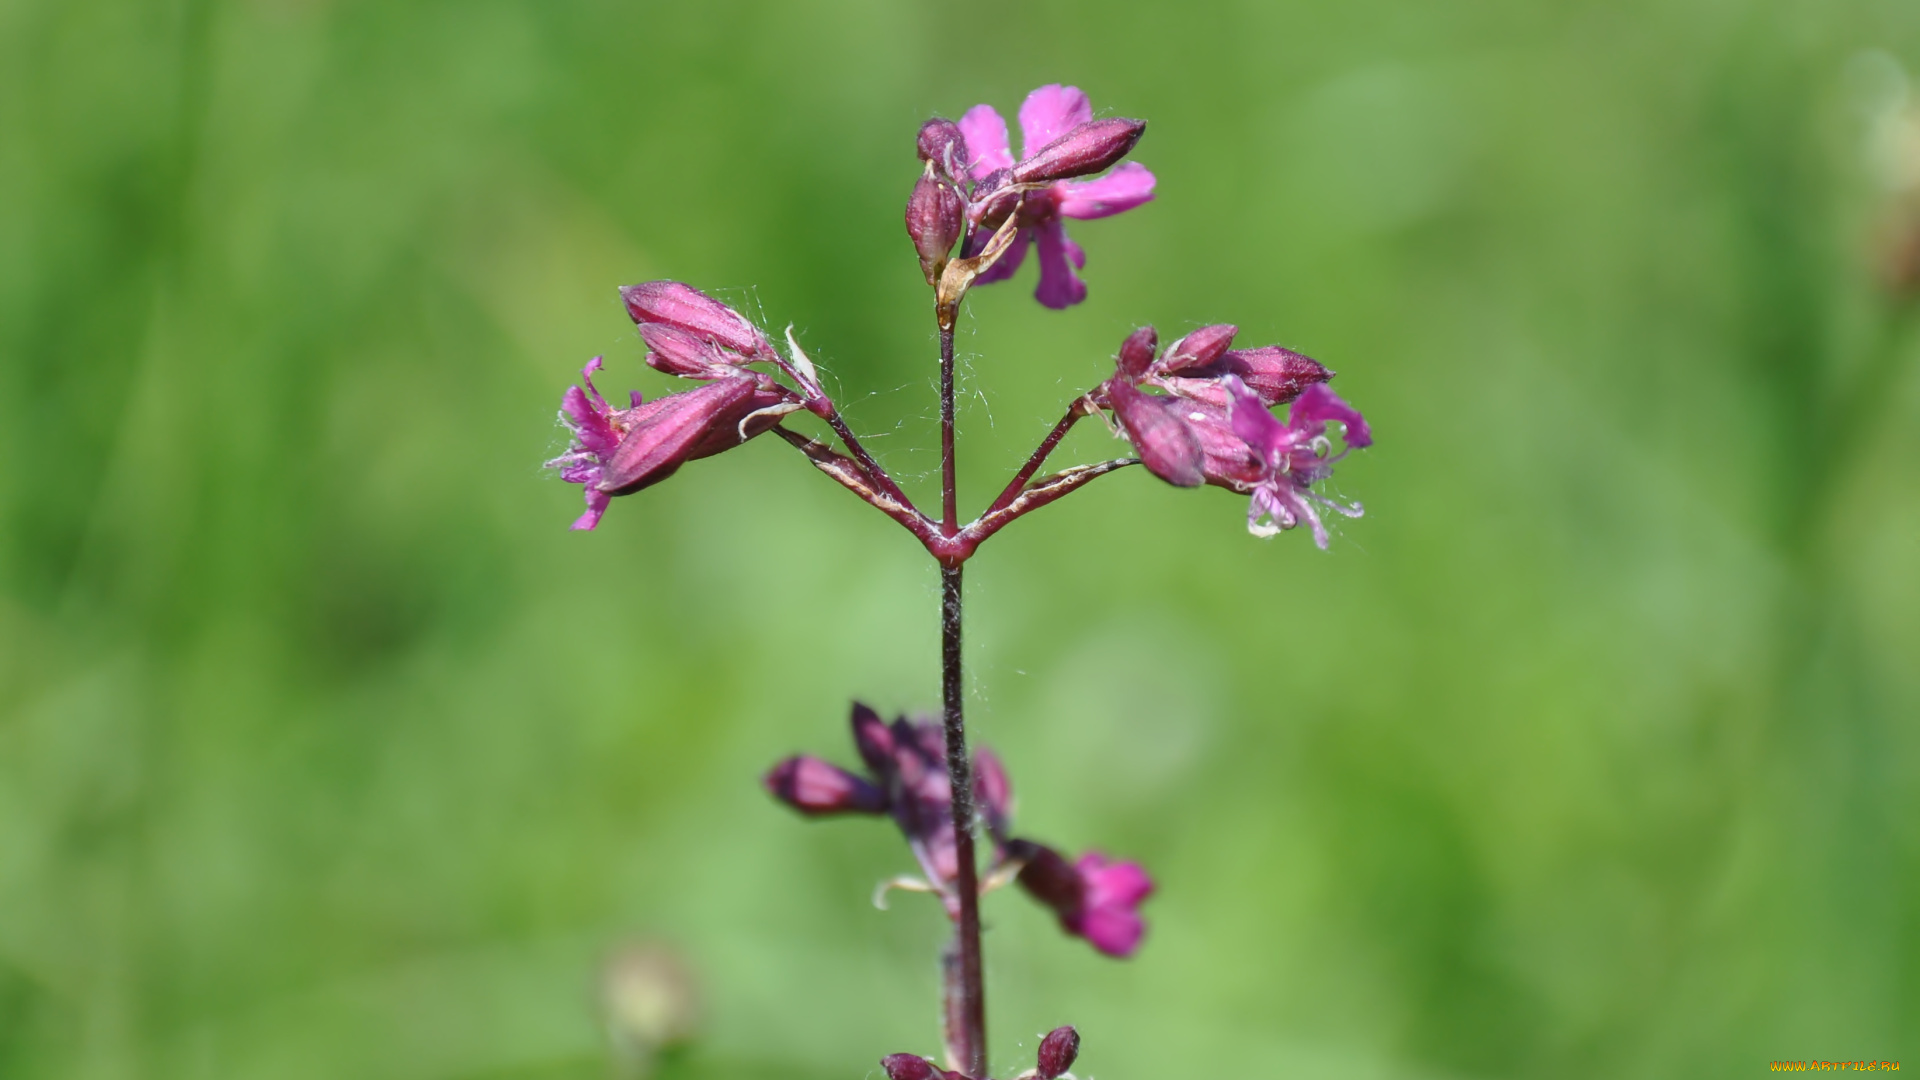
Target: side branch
(1039, 494)
(857, 480)
(1083, 405)
(867, 465)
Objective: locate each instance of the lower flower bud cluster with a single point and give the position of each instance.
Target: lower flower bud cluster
(1095, 898)
(1057, 1053)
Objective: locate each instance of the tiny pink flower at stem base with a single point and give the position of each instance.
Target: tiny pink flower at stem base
(1057, 1053)
(1060, 140)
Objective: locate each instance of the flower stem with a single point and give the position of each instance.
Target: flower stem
(966, 999)
(969, 1048)
(949, 491)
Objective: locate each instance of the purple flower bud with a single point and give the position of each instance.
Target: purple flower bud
(913, 1067)
(1136, 353)
(670, 431)
(942, 145)
(993, 202)
(1047, 876)
(874, 739)
(1203, 346)
(1087, 149)
(1057, 1052)
(1159, 432)
(816, 788)
(621, 451)
(1277, 375)
(686, 307)
(936, 216)
(686, 354)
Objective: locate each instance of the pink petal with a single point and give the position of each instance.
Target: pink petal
(986, 133)
(1059, 287)
(586, 376)
(1048, 113)
(596, 505)
(1317, 404)
(591, 430)
(1009, 261)
(1253, 423)
(1119, 884)
(1114, 932)
(1122, 189)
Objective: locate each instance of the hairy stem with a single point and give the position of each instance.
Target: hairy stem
(966, 1005)
(949, 492)
(963, 987)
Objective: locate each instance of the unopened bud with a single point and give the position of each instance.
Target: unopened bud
(1136, 353)
(936, 215)
(1201, 347)
(686, 307)
(1160, 435)
(1048, 877)
(994, 200)
(816, 788)
(874, 739)
(943, 146)
(1057, 1052)
(1278, 375)
(1087, 149)
(910, 1067)
(667, 432)
(686, 354)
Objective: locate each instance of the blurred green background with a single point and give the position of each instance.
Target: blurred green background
(327, 751)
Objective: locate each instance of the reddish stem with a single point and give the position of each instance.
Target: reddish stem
(971, 1008)
(949, 490)
(1082, 406)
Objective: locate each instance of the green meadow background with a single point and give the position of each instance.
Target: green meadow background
(327, 751)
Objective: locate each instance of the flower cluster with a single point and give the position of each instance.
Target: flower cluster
(1212, 425)
(1058, 1050)
(972, 187)
(1094, 898)
(692, 335)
